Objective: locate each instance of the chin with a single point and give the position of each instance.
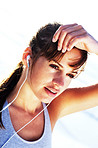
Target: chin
(47, 100)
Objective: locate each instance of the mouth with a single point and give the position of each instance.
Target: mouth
(51, 92)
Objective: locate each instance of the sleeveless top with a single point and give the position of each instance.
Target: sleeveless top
(16, 141)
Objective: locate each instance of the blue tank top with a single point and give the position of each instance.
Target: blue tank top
(17, 141)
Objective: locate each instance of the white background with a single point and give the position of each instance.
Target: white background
(19, 21)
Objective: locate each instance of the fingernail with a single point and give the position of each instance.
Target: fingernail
(53, 40)
(63, 50)
(68, 49)
(59, 49)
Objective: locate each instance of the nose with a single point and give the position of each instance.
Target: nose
(58, 81)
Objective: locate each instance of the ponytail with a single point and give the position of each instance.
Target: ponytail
(7, 87)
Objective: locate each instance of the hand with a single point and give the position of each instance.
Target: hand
(72, 35)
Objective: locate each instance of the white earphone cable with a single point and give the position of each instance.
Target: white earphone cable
(13, 101)
(27, 124)
(17, 93)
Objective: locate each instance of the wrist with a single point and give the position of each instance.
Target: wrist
(96, 48)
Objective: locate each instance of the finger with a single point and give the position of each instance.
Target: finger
(65, 33)
(70, 37)
(78, 42)
(57, 33)
(61, 39)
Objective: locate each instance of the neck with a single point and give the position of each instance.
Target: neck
(26, 99)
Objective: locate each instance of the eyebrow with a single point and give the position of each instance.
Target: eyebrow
(58, 63)
(75, 60)
(63, 67)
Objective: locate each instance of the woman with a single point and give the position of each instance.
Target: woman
(57, 54)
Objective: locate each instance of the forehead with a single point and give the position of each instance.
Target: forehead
(71, 57)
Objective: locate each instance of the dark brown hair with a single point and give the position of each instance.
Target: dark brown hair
(41, 45)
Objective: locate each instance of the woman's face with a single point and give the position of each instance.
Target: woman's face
(50, 78)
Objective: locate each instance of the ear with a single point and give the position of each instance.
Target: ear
(26, 52)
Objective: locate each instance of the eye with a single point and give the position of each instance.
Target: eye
(54, 66)
(70, 75)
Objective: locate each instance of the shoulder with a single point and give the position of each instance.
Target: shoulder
(57, 105)
(73, 100)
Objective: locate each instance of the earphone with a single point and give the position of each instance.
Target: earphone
(28, 57)
(15, 99)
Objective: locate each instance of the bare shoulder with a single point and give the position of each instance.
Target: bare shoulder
(73, 100)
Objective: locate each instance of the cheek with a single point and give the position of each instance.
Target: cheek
(40, 77)
(67, 82)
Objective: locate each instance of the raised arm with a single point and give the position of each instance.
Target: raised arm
(72, 35)
(75, 99)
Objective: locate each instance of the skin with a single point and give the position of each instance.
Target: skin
(72, 35)
(52, 75)
(48, 81)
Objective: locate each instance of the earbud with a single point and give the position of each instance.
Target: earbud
(28, 57)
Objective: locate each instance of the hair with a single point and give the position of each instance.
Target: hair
(41, 45)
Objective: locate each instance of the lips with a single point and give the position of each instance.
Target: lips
(51, 92)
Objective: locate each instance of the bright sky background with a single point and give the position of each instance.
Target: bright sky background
(19, 21)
